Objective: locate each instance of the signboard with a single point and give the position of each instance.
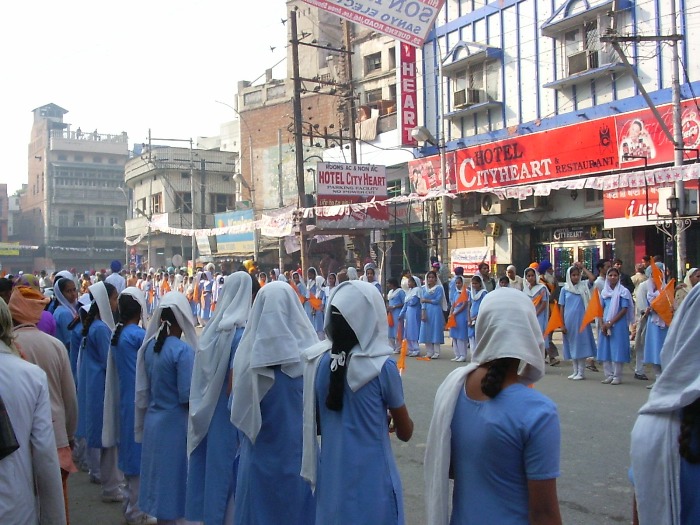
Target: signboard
(405, 20)
(243, 243)
(407, 81)
(425, 175)
(7, 248)
(277, 223)
(345, 184)
(203, 245)
(470, 259)
(625, 207)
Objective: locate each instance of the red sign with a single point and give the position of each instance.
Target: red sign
(425, 174)
(559, 153)
(407, 82)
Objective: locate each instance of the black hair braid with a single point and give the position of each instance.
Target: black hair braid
(129, 308)
(690, 424)
(92, 313)
(165, 315)
(344, 339)
(492, 382)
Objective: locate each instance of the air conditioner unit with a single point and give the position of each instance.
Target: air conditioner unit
(491, 205)
(460, 98)
(533, 203)
(467, 97)
(473, 96)
(692, 203)
(578, 62)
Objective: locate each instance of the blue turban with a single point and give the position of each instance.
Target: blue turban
(115, 266)
(544, 266)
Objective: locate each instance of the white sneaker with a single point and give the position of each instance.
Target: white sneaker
(578, 377)
(455, 358)
(144, 519)
(461, 359)
(616, 381)
(572, 376)
(435, 356)
(607, 380)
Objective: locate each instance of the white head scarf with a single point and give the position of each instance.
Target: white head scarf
(363, 308)
(178, 304)
(519, 338)
(320, 281)
(532, 292)
(475, 296)
(72, 307)
(99, 294)
(311, 282)
(579, 288)
(688, 275)
(438, 284)
(140, 298)
(211, 362)
(277, 332)
(654, 448)
(329, 288)
(352, 273)
(615, 294)
(416, 290)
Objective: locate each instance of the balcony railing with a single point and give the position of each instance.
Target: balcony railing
(85, 232)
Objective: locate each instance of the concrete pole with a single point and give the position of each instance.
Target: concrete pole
(678, 188)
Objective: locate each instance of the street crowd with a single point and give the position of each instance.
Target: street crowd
(280, 408)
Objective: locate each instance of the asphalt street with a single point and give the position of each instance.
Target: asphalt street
(596, 421)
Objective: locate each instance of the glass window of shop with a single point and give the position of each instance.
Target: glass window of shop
(564, 246)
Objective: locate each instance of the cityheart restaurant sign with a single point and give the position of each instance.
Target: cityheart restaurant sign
(340, 184)
(587, 148)
(408, 21)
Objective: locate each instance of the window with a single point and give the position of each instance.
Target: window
(97, 160)
(112, 160)
(113, 221)
(373, 63)
(62, 157)
(183, 202)
(141, 205)
(78, 219)
(62, 219)
(392, 57)
(78, 158)
(252, 98)
(220, 202)
(593, 195)
(393, 188)
(373, 96)
(156, 203)
(99, 220)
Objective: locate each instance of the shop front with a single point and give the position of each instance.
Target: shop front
(567, 245)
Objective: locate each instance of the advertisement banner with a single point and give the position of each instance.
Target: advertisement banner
(409, 21)
(342, 185)
(569, 151)
(242, 243)
(470, 259)
(424, 174)
(277, 223)
(408, 116)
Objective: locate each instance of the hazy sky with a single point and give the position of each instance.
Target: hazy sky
(129, 66)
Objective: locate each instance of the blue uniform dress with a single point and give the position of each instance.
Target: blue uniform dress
(315, 316)
(395, 306)
(411, 313)
(63, 317)
(689, 482)
(358, 482)
(95, 358)
(76, 338)
(474, 306)
(654, 340)
(460, 331)
(205, 300)
(213, 467)
(542, 316)
(577, 345)
(80, 381)
(433, 330)
(164, 452)
(615, 347)
(125, 353)
(270, 489)
(513, 438)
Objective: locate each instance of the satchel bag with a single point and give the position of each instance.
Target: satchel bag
(8, 439)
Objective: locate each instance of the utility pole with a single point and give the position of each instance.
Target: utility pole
(298, 139)
(280, 202)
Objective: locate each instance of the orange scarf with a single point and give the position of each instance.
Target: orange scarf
(27, 304)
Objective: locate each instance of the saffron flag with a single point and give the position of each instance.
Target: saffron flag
(657, 275)
(390, 319)
(663, 304)
(296, 290)
(555, 320)
(594, 310)
(315, 302)
(401, 361)
(451, 321)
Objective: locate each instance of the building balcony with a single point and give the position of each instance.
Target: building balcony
(82, 233)
(106, 197)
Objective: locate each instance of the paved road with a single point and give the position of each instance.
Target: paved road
(596, 421)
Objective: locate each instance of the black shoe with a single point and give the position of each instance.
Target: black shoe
(641, 377)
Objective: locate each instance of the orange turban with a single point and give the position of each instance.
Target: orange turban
(26, 305)
(534, 266)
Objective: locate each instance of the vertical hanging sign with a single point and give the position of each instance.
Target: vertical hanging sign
(407, 83)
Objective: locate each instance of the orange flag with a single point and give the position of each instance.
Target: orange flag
(390, 319)
(316, 303)
(657, 275)
(594, 310)
(536, 300)
(296, 290)
(663, 304)
(451, 321)
(401, 361)
(555, 320)
(196, 290)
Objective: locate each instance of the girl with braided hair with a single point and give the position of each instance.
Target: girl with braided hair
(351, 383)
(97, 336)
(163, 376)
(497, 439)
(126, 341)
(665, 449)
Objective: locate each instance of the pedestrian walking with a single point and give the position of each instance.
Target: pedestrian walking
(573, 301)
(477, 291)
(538, 294)
(614, 335)
(411, 315)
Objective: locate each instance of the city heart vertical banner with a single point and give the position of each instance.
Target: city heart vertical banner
(408, 115)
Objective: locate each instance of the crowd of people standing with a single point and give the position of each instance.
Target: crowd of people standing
(223, 426)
